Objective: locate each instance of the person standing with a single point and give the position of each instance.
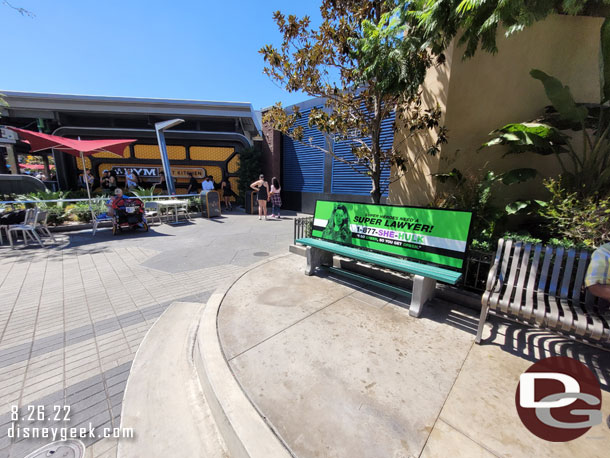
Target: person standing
(105, 182)
(262, 189)
(130, 179)
(207, 184)
(226, 193)
(193, 185)
(276, 200)
(112, 181)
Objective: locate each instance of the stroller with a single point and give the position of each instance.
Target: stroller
(129, 213)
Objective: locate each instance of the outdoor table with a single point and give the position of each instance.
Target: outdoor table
(172, 203)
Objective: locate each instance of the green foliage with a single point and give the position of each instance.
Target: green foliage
(366, 68)
(45, 195)
(143, 192)
(583, 221)
(585, 167)
(477, 21)
(250, 167)
(474, 192)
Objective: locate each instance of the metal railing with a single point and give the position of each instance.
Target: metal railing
(476, 269)
(18, 202)
(302, 227)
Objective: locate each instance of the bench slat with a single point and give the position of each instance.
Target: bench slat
(553, 312)
(569, 316)
(541, 310)
(582, 323)
(402, 265)
(527, 312)
(493, 279)
(517, 305)
(510, 284)
(497, 291)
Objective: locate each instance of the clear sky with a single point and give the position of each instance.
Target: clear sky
(187, 49)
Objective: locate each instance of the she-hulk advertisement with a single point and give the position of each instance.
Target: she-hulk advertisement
(428, 234)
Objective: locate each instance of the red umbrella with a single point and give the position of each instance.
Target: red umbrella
(34, 166)
(39, 141)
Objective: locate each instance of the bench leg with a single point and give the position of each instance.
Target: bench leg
(482, 319)
(316, 258)
(423, 291)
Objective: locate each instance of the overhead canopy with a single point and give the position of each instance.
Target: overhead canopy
(39, 141)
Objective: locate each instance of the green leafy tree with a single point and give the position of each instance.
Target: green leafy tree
(366, 68)
(250, 167)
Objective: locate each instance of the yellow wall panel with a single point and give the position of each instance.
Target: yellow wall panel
(216, 172)
(79, 163)
(234, 183)
(210, 153)
(152, 152)
(233, 166)
(107, 155)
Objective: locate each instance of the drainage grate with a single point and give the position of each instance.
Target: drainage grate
(71, 448)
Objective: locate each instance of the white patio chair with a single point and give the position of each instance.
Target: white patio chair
(98, 219)
(184, 209)
(152, 212)
(41, 225)
(27, 228)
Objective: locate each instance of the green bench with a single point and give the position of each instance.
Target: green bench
(429, 244)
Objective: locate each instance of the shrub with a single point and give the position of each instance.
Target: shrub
(250, 167)
(582, 221)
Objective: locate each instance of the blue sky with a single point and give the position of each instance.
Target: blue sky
(205, 50)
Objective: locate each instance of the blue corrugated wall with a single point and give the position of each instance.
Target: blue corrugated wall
(304, 165)
(347, 181)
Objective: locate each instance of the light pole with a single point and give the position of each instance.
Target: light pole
(160, 127)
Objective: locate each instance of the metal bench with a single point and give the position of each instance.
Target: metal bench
(543, 286)
(428, 243)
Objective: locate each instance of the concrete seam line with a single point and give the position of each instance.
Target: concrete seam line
(245, 431)
(135, 358)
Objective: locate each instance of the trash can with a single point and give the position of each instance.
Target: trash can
(251, 203)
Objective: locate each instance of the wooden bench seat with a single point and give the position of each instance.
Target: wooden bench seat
(543, 286)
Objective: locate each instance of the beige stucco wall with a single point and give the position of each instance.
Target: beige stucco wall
(489, 91)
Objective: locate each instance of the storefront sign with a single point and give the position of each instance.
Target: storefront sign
(429, 234)
(143, 172)
(153, 172)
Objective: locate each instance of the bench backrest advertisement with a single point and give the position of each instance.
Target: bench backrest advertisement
(431, 235)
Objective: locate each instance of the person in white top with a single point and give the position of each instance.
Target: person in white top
(276, 200)
(130, 179)
(207, 185)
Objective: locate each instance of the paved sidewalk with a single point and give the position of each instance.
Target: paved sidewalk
(342, 372)
(73, 316)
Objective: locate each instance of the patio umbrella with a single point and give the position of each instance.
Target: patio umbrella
(40, 141)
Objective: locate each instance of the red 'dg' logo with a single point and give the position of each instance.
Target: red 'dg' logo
(558, 399)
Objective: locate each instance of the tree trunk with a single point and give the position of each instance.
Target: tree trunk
(376, 153)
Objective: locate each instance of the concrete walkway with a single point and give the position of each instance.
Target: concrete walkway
(339, 371)
(73, 315)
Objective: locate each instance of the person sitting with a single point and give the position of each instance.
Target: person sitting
(597, 278)
(115, 202)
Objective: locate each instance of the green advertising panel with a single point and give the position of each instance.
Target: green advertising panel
(428, 234)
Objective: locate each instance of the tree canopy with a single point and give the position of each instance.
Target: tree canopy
(366, 68)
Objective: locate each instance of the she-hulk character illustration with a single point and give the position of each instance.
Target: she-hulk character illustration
(337, 228)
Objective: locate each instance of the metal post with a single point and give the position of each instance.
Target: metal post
(86, 179)
(159, 128)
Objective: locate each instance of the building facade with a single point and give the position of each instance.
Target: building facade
(208, 142)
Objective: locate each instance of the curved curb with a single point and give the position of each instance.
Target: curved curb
(244, 430)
